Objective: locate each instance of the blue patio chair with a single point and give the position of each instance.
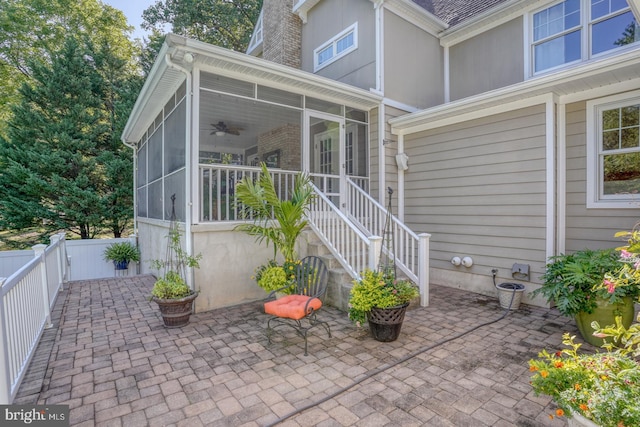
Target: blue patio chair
(299, 310)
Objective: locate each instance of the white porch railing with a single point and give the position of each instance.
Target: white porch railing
(26, 300)
(217, 189)
(409, 251)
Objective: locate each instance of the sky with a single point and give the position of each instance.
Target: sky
(133, 11)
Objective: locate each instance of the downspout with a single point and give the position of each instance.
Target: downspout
(380, 90)
(134, 148)
(188, 165)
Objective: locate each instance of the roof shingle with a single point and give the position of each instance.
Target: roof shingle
(454, 12)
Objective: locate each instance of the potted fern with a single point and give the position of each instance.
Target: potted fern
(121, 254)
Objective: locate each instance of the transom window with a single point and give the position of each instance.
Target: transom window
(339, 45)
(615, 159)
(576, 30)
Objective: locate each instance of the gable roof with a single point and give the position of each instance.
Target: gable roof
(456, 11)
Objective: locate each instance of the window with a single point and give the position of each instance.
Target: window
(561, 31)
(613, 153)
(340, 45)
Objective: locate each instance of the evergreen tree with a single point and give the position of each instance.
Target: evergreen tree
(62, 167)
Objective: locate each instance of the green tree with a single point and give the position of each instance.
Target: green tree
(61, 166)
(225, 23)
(30, 29)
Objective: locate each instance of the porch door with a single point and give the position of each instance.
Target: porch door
(325, 153)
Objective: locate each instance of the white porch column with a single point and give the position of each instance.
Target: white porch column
(423, 268)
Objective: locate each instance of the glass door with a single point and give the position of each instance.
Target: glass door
(325, 153)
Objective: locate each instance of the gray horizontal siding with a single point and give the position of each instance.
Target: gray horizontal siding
(479, 188)
(587, 228)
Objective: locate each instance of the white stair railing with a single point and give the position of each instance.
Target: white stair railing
(350, 246)
(409, 251)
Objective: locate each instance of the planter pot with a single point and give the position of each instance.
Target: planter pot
(176, 312)
(121, 265)
(510, 295)
(578, 420)
(604, 314)
(385, 323)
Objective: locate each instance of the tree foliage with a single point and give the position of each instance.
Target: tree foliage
(225, 23)
(31, 29)
(62, 165)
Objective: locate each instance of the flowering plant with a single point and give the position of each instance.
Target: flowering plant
(625, 280)
(603, 387)
(378, 289)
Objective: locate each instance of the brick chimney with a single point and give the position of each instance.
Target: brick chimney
(282, 33)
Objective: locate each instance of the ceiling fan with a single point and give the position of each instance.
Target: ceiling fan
(220, 129)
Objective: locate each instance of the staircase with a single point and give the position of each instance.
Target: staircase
(348, 241)
(340, 281)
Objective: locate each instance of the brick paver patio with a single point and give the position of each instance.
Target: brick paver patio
(114, 364)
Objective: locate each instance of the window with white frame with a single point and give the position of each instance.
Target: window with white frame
(339, 45)
(613, 152)
(577, 30)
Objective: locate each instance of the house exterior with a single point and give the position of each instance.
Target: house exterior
(508, 130)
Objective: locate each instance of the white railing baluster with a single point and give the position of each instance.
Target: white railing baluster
(371, 216)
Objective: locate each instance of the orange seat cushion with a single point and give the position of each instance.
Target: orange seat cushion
(292, 306)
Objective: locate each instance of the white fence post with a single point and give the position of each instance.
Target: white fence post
(423, 268)
(55, 242)
(63, 259)
(375, 246)
(5, 382)
(39, 252)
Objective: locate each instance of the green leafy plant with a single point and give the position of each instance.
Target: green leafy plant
(122, 252)
(626, 340)
(569, 280)
(171, 286)
(603, 387)
(275, 277)
(275, 221)
(173, 281)
(378, 289)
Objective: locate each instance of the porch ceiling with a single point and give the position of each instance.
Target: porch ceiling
(565, 85)
(163, 80)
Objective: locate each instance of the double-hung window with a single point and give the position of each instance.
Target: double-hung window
(342, 43)
(613, 153)
(577, 30)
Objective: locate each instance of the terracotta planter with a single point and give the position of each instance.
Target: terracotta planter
(385, 323)
(176, 312)
(605, 315)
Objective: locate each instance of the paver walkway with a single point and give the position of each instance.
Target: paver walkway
(115, 364)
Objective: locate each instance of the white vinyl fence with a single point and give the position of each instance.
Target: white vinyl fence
(26, 299)
(29, 285)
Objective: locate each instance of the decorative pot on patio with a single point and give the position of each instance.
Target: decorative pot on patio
(385, 323)
(176, 312)
(605, 314)
(510, 295)
(578, 420)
